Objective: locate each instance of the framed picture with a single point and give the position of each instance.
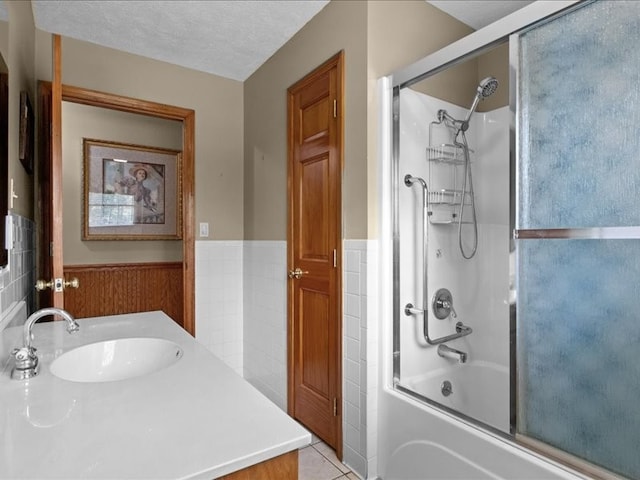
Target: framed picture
(131, 192)
(25, 145)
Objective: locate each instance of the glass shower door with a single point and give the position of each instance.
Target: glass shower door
(578, 234)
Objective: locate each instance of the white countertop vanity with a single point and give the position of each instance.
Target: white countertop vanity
(192, 419)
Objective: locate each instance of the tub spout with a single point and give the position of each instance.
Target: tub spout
(26, 360)
(448, 352)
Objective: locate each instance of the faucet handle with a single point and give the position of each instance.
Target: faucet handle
(24, 353)
(442, 304)
(26, 363)
(449, 305)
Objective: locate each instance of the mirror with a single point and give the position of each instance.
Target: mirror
(4, 157)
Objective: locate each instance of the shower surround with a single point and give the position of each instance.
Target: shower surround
(417, 440)
(572, 257)
(479, 286)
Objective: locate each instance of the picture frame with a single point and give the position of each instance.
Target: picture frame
(131, 192)
(26, 134)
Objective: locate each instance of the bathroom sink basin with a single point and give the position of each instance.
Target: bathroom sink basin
(113, 360)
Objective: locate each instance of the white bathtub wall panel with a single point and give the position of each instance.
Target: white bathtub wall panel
(491, 166)
(417, 111)
(480, 291)
(491, 180)
(480, 285)
(493, 332)
(219, 306)
(474, 282)
(265, 320)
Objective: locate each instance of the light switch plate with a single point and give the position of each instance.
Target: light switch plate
(204, 229)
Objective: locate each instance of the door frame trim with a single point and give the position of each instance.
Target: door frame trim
(336, 61)
(187, 116)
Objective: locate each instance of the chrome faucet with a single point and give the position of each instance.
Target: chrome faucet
(447, 352)
(26, 360)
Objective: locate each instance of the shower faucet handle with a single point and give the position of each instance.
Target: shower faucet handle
(442, 304)
(449, 305)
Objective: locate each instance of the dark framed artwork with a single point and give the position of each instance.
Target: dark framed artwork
(25, 146)
(131, 192)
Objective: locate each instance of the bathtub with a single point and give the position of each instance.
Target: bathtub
(424, 443)
(478, 389)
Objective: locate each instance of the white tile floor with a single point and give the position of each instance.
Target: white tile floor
(319, 462)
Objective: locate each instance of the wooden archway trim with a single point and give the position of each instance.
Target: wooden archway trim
(187, 117)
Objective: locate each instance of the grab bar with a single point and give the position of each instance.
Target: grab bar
(461, 329)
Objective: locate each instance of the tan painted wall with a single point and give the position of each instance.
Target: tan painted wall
(18, 50)
(241, 129)
(458, 84)
(4, 41)
(378, 37)
(218, 103)
(495, 63)
(341, 25)
(404, 31)
(400, 33)
(81, 121)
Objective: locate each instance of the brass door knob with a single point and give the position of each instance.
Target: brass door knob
(43, 285)
(73, 283)
(57, 284)
(297, 273)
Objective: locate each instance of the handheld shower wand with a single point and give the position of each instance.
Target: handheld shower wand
(485, 89)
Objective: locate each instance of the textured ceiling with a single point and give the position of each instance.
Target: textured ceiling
(227, 38)
(224, 37)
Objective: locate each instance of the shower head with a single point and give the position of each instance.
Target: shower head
(486, 88)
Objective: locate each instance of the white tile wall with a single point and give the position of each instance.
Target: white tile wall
(16, 282)
(219, 303)
(262, 320)
(360, 347)
(265, 319)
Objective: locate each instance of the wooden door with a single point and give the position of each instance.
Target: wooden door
(50, 262)
(50, 182)
(45, 268)
(314, 251)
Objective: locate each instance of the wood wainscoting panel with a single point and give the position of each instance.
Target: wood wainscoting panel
(113, 289)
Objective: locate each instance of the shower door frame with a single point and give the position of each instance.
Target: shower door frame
(468, 47)
(472, 45)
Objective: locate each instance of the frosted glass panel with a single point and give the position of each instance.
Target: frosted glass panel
(579, 112)
(578, 309)
(578, 341)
